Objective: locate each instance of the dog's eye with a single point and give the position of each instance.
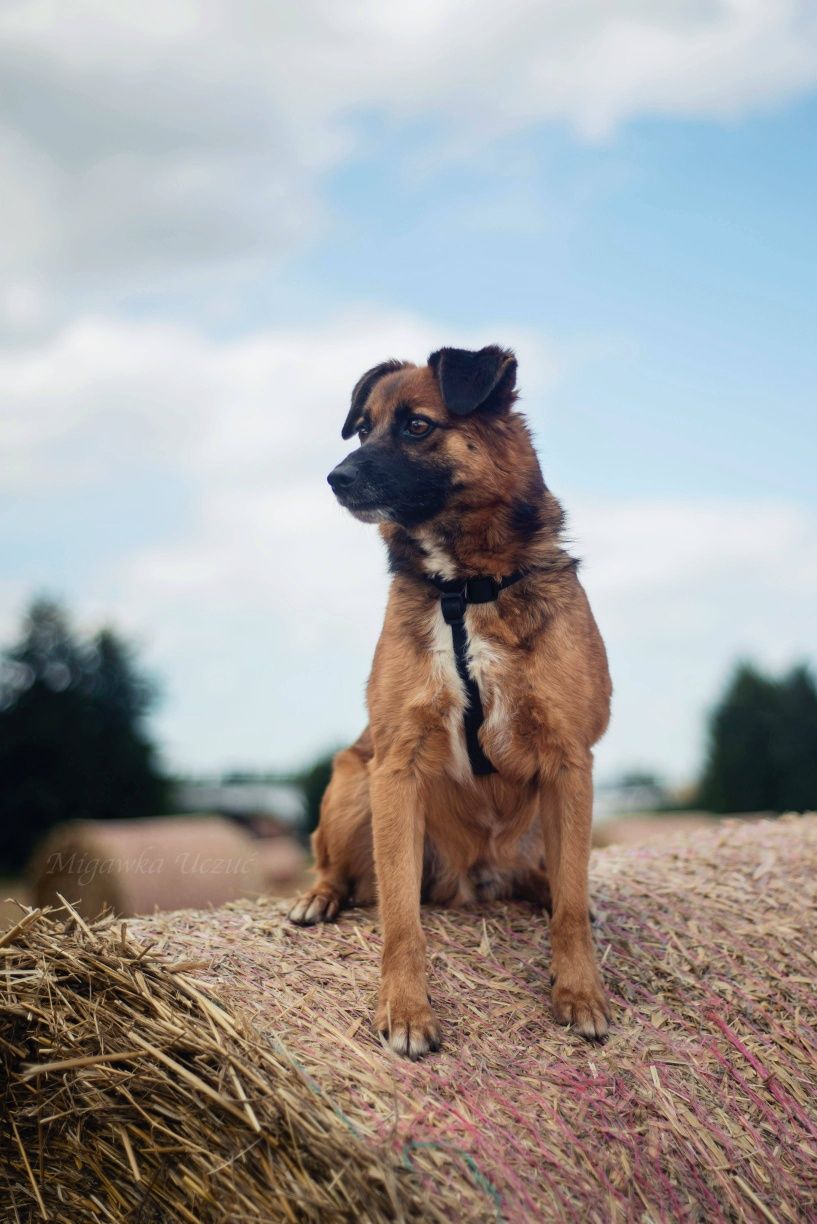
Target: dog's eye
(418, 427)
(363, 433)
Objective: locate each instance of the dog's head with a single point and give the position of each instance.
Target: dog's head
(429, 435)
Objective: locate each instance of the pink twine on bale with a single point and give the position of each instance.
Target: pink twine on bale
(767, 1077)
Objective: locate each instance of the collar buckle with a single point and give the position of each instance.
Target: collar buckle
(452, 605)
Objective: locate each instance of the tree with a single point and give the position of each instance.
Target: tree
(72, 737)
(795, 744)
(763, 744)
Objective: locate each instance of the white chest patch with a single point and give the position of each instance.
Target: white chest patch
(446, 677)
(484, 665)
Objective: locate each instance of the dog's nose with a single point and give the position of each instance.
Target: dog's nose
(342, 476)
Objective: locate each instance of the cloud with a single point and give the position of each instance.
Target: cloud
(262, 587)
(107, 395)
(261, 602)
(155, 161)
(284, 595)
(682, 589)
(144, 146)
(248, 428)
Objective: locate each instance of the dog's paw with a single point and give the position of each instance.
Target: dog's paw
(409, 1029)
(318, 905)
(579, 1000)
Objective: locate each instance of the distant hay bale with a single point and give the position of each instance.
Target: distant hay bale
(221, 1066)
(282, 861)
(137, 866)
(641, 827)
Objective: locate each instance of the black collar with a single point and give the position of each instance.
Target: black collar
(455, 596)
(457, 593)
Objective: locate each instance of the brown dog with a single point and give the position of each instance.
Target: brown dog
(488, 690)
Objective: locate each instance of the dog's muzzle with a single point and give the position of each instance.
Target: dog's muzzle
(344, 476)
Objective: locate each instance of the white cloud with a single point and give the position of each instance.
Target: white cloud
(683, 588)
(142, 144)
(261, 605)
(176, 151)
(256, 412)
(250, 427)
(284, 596)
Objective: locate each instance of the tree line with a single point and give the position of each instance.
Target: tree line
(73, 737)
(762, 750)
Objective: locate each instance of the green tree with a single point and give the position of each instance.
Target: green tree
(762, 744)
(795, 743)
(72, 736)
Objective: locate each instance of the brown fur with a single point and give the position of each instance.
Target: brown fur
(404, 816)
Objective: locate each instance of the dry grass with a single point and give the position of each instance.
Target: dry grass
(220, 1066)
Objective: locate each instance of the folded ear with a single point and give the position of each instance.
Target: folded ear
(468, 381)
(363, 389)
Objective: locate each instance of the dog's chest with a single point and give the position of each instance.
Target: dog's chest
(489, 666)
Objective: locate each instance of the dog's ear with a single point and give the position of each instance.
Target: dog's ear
(363, 389)
(468, 381)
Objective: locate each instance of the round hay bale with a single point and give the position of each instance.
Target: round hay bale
(221, 1066)
(282, 861)
(138, 866)
(636, 829)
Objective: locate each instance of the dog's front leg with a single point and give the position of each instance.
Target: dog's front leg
(567, 814)
(404, 1017)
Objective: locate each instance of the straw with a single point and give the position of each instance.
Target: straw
(222, 1066)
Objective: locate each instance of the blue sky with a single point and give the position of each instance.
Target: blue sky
(219, 216)
(676, 260)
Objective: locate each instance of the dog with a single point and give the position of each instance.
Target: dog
(488, 690)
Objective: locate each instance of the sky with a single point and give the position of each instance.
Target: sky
(217, 214)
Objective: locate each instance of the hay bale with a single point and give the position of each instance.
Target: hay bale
(221, 1066)
(649, 827)
(137, 866)
(283, 861)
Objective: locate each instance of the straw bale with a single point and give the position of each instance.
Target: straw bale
(136, 866)
(646, 827)
(282, 861)
(221, 1066)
